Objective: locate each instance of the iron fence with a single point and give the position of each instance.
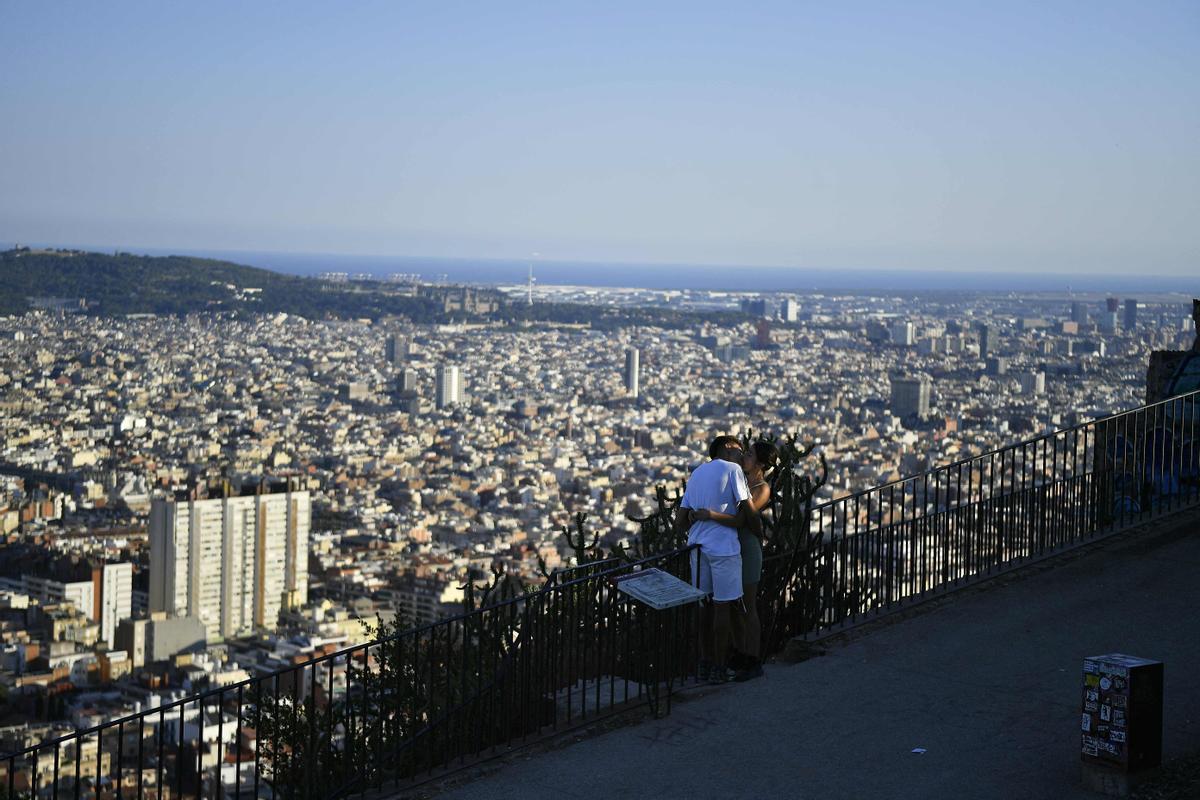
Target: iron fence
(869, 552)
(386, 712)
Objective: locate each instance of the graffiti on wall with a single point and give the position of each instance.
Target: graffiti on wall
(1185, 379)
(1153, 455)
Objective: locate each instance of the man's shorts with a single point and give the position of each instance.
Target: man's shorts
(720, 576)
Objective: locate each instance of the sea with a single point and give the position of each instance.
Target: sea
(744, 278)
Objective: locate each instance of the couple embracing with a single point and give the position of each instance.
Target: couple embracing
(720, 511)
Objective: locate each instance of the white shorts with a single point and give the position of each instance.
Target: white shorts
(720, 576)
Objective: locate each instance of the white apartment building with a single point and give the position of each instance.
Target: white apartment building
(632, 368)
(449, 385)
(116, 600)
(81, 594)
(239, 565)
(106, 599)
(234, 563)
(790, 310)
(904, 333)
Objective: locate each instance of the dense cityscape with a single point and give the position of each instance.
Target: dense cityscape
(320, 473)
(599, 400)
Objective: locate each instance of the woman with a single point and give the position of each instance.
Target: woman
(759, 463)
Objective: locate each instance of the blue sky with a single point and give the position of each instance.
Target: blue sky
(965, 135)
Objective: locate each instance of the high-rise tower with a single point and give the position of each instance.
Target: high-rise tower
(396, 349)
(449, 385)
(632, 366)
(903, 334)
(987, 340)
(1079, 312)
(116, 599)
(234, 563)
(406, 381)
(911, 396)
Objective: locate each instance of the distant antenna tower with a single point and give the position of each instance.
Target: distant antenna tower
(529, 286)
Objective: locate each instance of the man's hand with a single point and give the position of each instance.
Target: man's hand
(701, 513)
(683, 521)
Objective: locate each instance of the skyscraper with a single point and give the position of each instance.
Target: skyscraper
(1131, 307)
(987, 340)
(449, 385)
(910, 396)
(405, 395)
(1079, 313)
(632, 363)
(406, 381)
(116, 599)
(903, 334)
(996, 366)
(232, 562)
(1033, 382)
(395, 349)
(790, 310)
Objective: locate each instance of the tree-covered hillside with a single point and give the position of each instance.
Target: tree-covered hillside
(132, 284)
(124, 283)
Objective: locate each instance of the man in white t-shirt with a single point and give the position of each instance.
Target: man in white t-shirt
(718, 485)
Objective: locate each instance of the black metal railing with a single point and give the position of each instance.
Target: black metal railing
(412, 702)
(875, 550)
(388, 711)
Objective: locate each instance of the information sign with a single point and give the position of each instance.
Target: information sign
(658, 589)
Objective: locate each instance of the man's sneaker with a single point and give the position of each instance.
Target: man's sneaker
(749, 673)
(720, 675)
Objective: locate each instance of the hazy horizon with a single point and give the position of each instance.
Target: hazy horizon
(1025, 138)
(731, 277)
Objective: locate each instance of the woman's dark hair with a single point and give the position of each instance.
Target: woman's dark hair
(767, 455)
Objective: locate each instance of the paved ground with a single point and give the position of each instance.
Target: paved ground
(988, 684)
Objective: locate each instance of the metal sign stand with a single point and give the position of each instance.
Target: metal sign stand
(662, 594)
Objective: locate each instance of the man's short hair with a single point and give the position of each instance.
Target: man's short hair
(720, 443)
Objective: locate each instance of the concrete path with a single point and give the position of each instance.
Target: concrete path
(988, 684)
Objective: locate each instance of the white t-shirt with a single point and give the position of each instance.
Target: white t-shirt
(718, 486)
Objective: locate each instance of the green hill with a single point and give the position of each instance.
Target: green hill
(113, 285)
(132, 284)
